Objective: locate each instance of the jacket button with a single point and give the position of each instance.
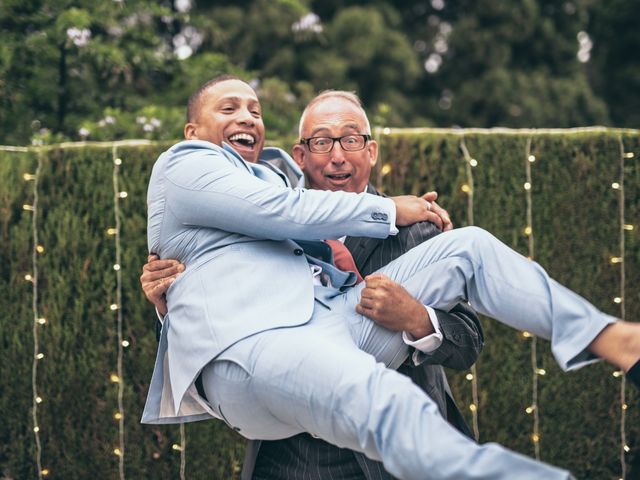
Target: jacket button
(298, 252)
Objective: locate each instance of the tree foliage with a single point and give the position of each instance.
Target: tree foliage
(73, 69)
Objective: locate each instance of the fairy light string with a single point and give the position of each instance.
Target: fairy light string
(38, 321)
(532, 409)
(117, 308)
(183, 458)
(467, 188)
(619, 186)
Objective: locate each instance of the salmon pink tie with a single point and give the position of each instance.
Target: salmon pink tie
(343, 259)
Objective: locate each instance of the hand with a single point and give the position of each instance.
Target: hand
(411, 209)
(388, 304)
(157, 276)
(442, 219)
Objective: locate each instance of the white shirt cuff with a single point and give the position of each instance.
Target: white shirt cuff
(393, 230)
(160, 317)
(426, 344)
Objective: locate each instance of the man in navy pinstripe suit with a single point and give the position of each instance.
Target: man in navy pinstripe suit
(459, 331)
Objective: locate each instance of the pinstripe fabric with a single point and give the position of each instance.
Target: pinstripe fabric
(304, 457)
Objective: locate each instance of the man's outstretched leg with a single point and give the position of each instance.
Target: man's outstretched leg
(471, 264)
(314, 378)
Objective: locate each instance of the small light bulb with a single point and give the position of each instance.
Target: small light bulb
(386, 130)
(465, 188)
(117, 451)
(28, 176)
(44, 472)
(528, 231)
(40, 356)
(118, 161)
(615, 185)
(616, 259)
(123, 194)
(111, 231)
(628, 155)
(617, 300)
(125, 343)
(117, 416)
(116, 267)
(532, 158)
(156, 455)
(28, 277)
(40, 249)
(527, 186)
(176, 447)
(114, 306)
(38, 399)
(114, 378)
(624, 406)
(626, 448)
(541, 371)
(617, 374)
(42, 320)
(529, 410)
(28, 207)
(473, 407)
(526, 334)
(386, 169)
(36, 429)
(628, 227)
(469, 376)
(473, 162)
(535, 437)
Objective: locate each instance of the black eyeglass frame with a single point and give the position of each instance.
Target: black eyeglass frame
(366, 136)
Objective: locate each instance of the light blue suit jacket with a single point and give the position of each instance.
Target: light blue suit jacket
(231, 224)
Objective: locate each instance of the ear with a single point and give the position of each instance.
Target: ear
(298, 152)
(372, 147)
(190, 131)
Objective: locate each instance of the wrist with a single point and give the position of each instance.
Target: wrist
(422, 325)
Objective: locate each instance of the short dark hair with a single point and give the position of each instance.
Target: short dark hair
(195, 100)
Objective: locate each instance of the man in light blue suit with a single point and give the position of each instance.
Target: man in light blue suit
(274, 330)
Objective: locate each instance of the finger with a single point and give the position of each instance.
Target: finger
(435, 218)
(367, 294)
(361, 310)
(162, 286)
(430, 196)
(166, 272)
(152, 257)
(373, 279)
(444, 215)
(150, 286)
(368, 303)
(160, 265)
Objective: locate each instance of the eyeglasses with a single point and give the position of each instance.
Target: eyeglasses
(349, 143)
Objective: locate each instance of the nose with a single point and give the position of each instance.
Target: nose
(337, 153)
(245, 117)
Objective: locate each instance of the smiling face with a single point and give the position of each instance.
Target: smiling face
(337, 169)
(229, 111)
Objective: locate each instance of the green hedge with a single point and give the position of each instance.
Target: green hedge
(576, 231)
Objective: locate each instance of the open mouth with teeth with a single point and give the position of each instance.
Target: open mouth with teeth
(242, 141)
(338, 176)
